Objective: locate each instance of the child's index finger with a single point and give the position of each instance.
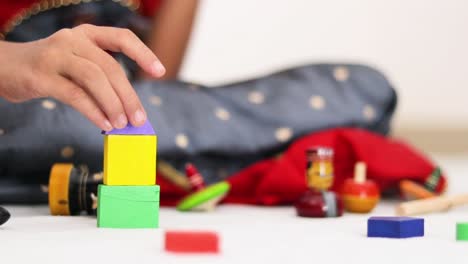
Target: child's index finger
(125, 41)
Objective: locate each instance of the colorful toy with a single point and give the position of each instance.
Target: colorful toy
(195, 178)
(430, 205)
(205, 199)
(319, 172)
(129, 197)
(319, 204)
(128, 206)
(411, 190)
(129, 159)
(191, 242)
(360, 195)
(462, 231)
(72, 190)
(395, 227)
(433, 180)
(4, 215)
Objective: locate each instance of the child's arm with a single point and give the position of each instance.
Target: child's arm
(73, 66)
(171, 33)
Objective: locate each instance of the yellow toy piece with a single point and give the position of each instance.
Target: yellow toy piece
(58, 188)
(130, 159)
(319, 171)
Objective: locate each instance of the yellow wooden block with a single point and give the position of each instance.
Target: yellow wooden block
(130, 159)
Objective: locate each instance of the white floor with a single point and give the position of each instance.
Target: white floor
(248, 235)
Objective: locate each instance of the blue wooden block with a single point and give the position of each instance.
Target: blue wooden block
(395, 227)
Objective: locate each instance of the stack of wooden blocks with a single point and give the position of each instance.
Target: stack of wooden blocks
(129, 197)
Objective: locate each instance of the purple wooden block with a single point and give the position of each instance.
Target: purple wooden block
(145, 129)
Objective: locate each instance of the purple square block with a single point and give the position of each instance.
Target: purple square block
(145, 129)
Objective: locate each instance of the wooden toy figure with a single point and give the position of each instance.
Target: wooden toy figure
(204, 198)
(73, 189)
(319, 204)
(411, 190)
(317, 201)
(196, 180)
(360, 195)
(319, 172)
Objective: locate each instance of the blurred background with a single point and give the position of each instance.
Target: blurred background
(420, 45)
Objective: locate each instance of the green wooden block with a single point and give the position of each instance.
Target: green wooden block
(462, 231)
(128, 206)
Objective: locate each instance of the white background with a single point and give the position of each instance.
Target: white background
(421, 45)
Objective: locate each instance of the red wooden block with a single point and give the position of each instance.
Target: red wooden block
(191, 242)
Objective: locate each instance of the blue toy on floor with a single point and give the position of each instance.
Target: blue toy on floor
(395, 227)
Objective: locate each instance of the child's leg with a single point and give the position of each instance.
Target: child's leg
(219, 129)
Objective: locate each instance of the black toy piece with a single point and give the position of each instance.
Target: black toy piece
(4, 215)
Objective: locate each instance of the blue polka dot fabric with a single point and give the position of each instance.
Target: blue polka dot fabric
(219, 129)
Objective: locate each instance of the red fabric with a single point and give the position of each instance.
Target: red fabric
(282, 180)
(10, 8)
(149, 7)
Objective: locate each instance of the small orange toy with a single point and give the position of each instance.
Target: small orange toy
(360, 195)
(414, 191)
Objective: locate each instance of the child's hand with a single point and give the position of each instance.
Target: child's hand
(73, 67)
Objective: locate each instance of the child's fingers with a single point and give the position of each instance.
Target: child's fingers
(125, 41)
(76, 97)
(91, 78)
(117, 78)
